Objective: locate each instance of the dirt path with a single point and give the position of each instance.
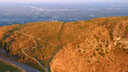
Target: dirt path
(23, 50)
(36, 38)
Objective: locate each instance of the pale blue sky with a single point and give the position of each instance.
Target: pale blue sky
(50, 1)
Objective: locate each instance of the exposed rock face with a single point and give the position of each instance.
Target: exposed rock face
(102, 49)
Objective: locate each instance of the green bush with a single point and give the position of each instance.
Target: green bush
(1, 43)
(94, 54)
(97, 38)
(111, 34)
(124, 49)
(84, 51)
(11, 31)
(102, 54)
(98, 61)
(22, 57)
(81, 27)
(97, 49)
(126, 28)
(88, 61)
(100, 45)
(107, 52)
(91, 56)
(108, 65)
(79, 50)
(106, 45)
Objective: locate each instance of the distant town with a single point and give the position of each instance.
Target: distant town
(24, 13)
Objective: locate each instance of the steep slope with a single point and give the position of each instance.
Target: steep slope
(32, 42)
(99, 44)
(104, 48)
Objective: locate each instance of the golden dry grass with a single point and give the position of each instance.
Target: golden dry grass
(78, 37)
(99, 49)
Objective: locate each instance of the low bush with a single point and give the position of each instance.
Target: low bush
(102, 54)
(89, 61)
(94, 54)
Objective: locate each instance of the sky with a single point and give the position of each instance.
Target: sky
(55, 1)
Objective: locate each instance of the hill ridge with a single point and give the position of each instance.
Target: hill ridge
(73, 42)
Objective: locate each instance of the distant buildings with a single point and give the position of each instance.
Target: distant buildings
(55, 20)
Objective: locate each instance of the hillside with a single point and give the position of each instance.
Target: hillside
(4, 67)
(99, 44)
(103, 48)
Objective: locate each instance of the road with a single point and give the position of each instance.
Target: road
(20, 65)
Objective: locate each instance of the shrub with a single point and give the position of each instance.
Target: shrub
(111, 34)
(79, 50)
(103, 40)
(108, 65)
(126, 28)
(124, 49)
(94, 54)
(1, 43)
(102, 54)
(88, 61)
(107, 52)
(22, 57)
(11, 31)
(100, 45)
(97, 49)
(97, 38)
(84, 51)
(106, 45)
(91, 56)
(112, 38)
(81, 27)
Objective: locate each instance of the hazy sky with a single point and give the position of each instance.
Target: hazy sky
(50, 1)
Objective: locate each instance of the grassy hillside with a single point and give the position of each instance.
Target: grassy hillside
(4, 66)
(103, 48)
(97, 42)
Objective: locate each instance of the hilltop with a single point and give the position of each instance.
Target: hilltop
(99, 44)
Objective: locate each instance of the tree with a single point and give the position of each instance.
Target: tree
(1, 43)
